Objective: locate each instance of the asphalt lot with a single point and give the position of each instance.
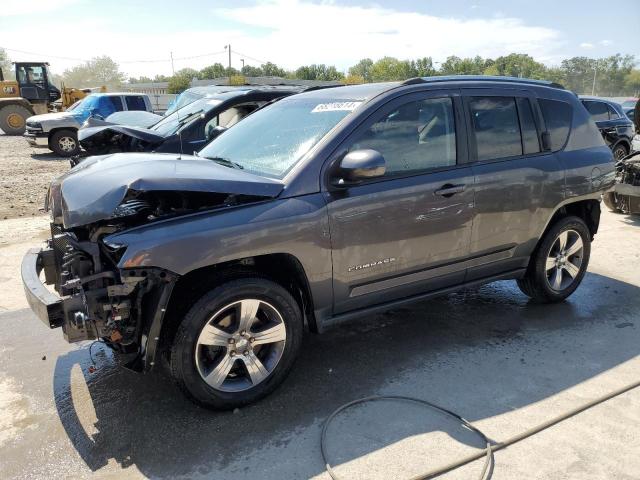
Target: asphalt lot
(490, 355)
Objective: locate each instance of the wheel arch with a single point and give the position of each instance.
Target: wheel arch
(586, 209)
(282, 268)
(622, 141)
(16, 101)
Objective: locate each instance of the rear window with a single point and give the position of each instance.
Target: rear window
(135, 103)
(557, 118)
(598, 110)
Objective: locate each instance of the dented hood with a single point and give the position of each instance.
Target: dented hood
(102, 131)
(93, 189)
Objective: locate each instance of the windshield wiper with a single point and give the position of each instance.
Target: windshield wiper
(226, 162)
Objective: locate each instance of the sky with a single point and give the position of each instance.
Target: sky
(141, 34)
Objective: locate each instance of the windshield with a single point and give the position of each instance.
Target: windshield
(170, 123)
(272, 140)
(185, 98)
(629, 103)
(87, 103)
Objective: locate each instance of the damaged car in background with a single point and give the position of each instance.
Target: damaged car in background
(625, 195)
(187, 129)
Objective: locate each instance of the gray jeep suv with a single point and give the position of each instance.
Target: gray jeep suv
(321, 207)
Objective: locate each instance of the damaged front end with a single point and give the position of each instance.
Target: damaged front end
(96, 300)
(625, 197)
(95, 296)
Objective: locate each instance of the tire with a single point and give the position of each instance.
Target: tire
(611, 201)
(540, 281)
(13, 119)
(64, 143)
(200, 350)
(619, 152)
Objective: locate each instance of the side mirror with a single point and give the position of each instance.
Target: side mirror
(360, 165)
(214, 132)
(546, 141)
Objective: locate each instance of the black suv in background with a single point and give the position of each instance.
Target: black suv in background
(318, 208)
(187, 129)
(616, 127)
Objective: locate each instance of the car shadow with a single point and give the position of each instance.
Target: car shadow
(47, 156)
(479, 353)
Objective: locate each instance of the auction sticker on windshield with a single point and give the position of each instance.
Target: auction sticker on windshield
(335, 106)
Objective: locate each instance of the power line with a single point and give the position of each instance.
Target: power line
(75, 59)
(262, 62)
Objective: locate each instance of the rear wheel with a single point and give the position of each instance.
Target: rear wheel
(560, 262)
(13, 119)
(619, 152)
(237, 343)
(64, 143)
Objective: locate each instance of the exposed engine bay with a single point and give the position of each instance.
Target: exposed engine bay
(625, 197)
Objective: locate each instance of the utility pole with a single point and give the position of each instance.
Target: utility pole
(173, 70)
(595, 73)
(228, 47)
(242, 60)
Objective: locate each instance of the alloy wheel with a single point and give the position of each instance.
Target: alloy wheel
(67, 144)
(240, 345)
(619, 153)
(564, 260)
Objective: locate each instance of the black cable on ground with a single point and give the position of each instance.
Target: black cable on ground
(487, 452)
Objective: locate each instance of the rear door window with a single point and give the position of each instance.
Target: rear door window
(598, 110)
(495, 127)
(557, 118)
(135, 102)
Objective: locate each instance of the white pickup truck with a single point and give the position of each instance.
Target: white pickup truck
(58, 131)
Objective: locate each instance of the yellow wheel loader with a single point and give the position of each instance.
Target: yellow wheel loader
(32, 93)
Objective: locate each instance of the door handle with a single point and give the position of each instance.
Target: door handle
(449, 190)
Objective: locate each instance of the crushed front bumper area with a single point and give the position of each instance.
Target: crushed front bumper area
(47, 306)
(53, 310)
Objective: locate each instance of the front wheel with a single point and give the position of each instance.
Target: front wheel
(64, 143)
(560, 262)
(237, 343)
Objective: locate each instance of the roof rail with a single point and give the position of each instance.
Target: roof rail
(480, 78)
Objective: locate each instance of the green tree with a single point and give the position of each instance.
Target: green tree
(272, 70)
(423, 67)
(250, 71)
(216, 70)
(517, 65)
(318, 72)
(390, 68)
(454, 65)
(94, 73)
(141, 79)
(179, 82)
(632, 83)
(362, 69)
(6, 66)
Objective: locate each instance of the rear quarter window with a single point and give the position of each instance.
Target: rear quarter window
(557, 118)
